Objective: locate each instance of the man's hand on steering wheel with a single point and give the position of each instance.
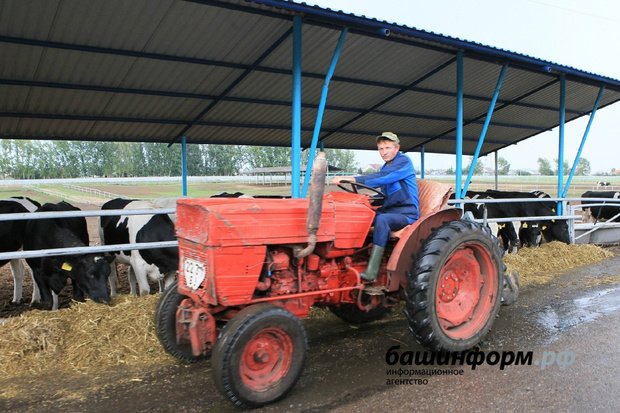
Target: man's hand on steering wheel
(354, 186)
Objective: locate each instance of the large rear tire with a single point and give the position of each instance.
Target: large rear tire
(259, 355)
(455, 286)
(166, 325)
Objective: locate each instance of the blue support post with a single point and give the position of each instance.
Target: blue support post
(583, 141)
(184, 165)
(321, 109)
(422, 162)
(459, 123)
(561, 140)
(296, 103)
(485, 127)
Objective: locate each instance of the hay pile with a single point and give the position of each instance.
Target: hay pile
(540, 265)
(84, 338)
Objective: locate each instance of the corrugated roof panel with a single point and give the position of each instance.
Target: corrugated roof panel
(123, 130)
(196, 30)
(579, 97)
(423, 104)
(277, 87)
(242, 136)
(180, 77)
(318, 44)
(65, 102)
(382, 60)
(160, 47)
(522, 115)
(13, 98)
(10, 127)
(111, 23)
(401, 125)
(518, 81)
(360, 96)
(49, 128)
(72, 66)
(249, 114)
(267, 114)
(27, 18)
(19, 62)
(153, 107)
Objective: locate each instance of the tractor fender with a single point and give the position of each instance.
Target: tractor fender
(410, 241)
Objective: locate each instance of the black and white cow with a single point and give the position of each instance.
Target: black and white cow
(159, 264)
(603, 213)
(551, 230)
(529, 231)
(505, 230)
(12, 238)
(89, 273)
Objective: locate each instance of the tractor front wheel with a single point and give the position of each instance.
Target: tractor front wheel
(455, 287)
(259, 355)
(166, 325)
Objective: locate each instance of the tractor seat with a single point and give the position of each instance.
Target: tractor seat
(433, 197)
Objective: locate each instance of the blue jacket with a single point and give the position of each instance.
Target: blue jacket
(398, 182)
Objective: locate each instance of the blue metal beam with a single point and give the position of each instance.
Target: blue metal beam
(296, 103)
(561, 140)
(583, 141)
(319, 116)
(485, 127)
(459, 123)
(184, 165)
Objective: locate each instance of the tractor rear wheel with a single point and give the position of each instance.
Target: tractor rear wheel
(166, 325)
(455, 286)
(259, 355)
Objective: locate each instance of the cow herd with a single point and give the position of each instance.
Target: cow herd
(94, 275)
(531, 233)
(89, 273)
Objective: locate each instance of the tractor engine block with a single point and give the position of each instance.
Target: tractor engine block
(311, 274)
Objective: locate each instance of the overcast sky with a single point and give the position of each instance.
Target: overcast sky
(581, 34)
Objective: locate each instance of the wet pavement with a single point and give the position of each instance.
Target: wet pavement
(571, 326)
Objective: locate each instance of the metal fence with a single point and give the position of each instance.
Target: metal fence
(569, 205)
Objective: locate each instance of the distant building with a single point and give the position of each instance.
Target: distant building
(372, 166)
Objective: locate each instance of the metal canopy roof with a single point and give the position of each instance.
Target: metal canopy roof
(219, 71)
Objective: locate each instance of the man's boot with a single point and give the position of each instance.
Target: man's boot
(373, 263)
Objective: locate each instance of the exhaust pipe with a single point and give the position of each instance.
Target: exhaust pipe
(317, 188)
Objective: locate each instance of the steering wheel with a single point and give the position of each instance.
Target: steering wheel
(380, 196)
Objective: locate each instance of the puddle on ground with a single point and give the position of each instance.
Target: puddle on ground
(562, 316)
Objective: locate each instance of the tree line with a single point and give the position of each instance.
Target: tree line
(544, 167)
(29, 159)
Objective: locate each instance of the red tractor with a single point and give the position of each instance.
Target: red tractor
(250, 269)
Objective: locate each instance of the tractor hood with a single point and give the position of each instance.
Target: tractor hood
(220, 222)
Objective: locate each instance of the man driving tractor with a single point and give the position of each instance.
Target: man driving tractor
(397, 180)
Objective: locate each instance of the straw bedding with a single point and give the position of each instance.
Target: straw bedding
(85, 337)
(540, 265)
